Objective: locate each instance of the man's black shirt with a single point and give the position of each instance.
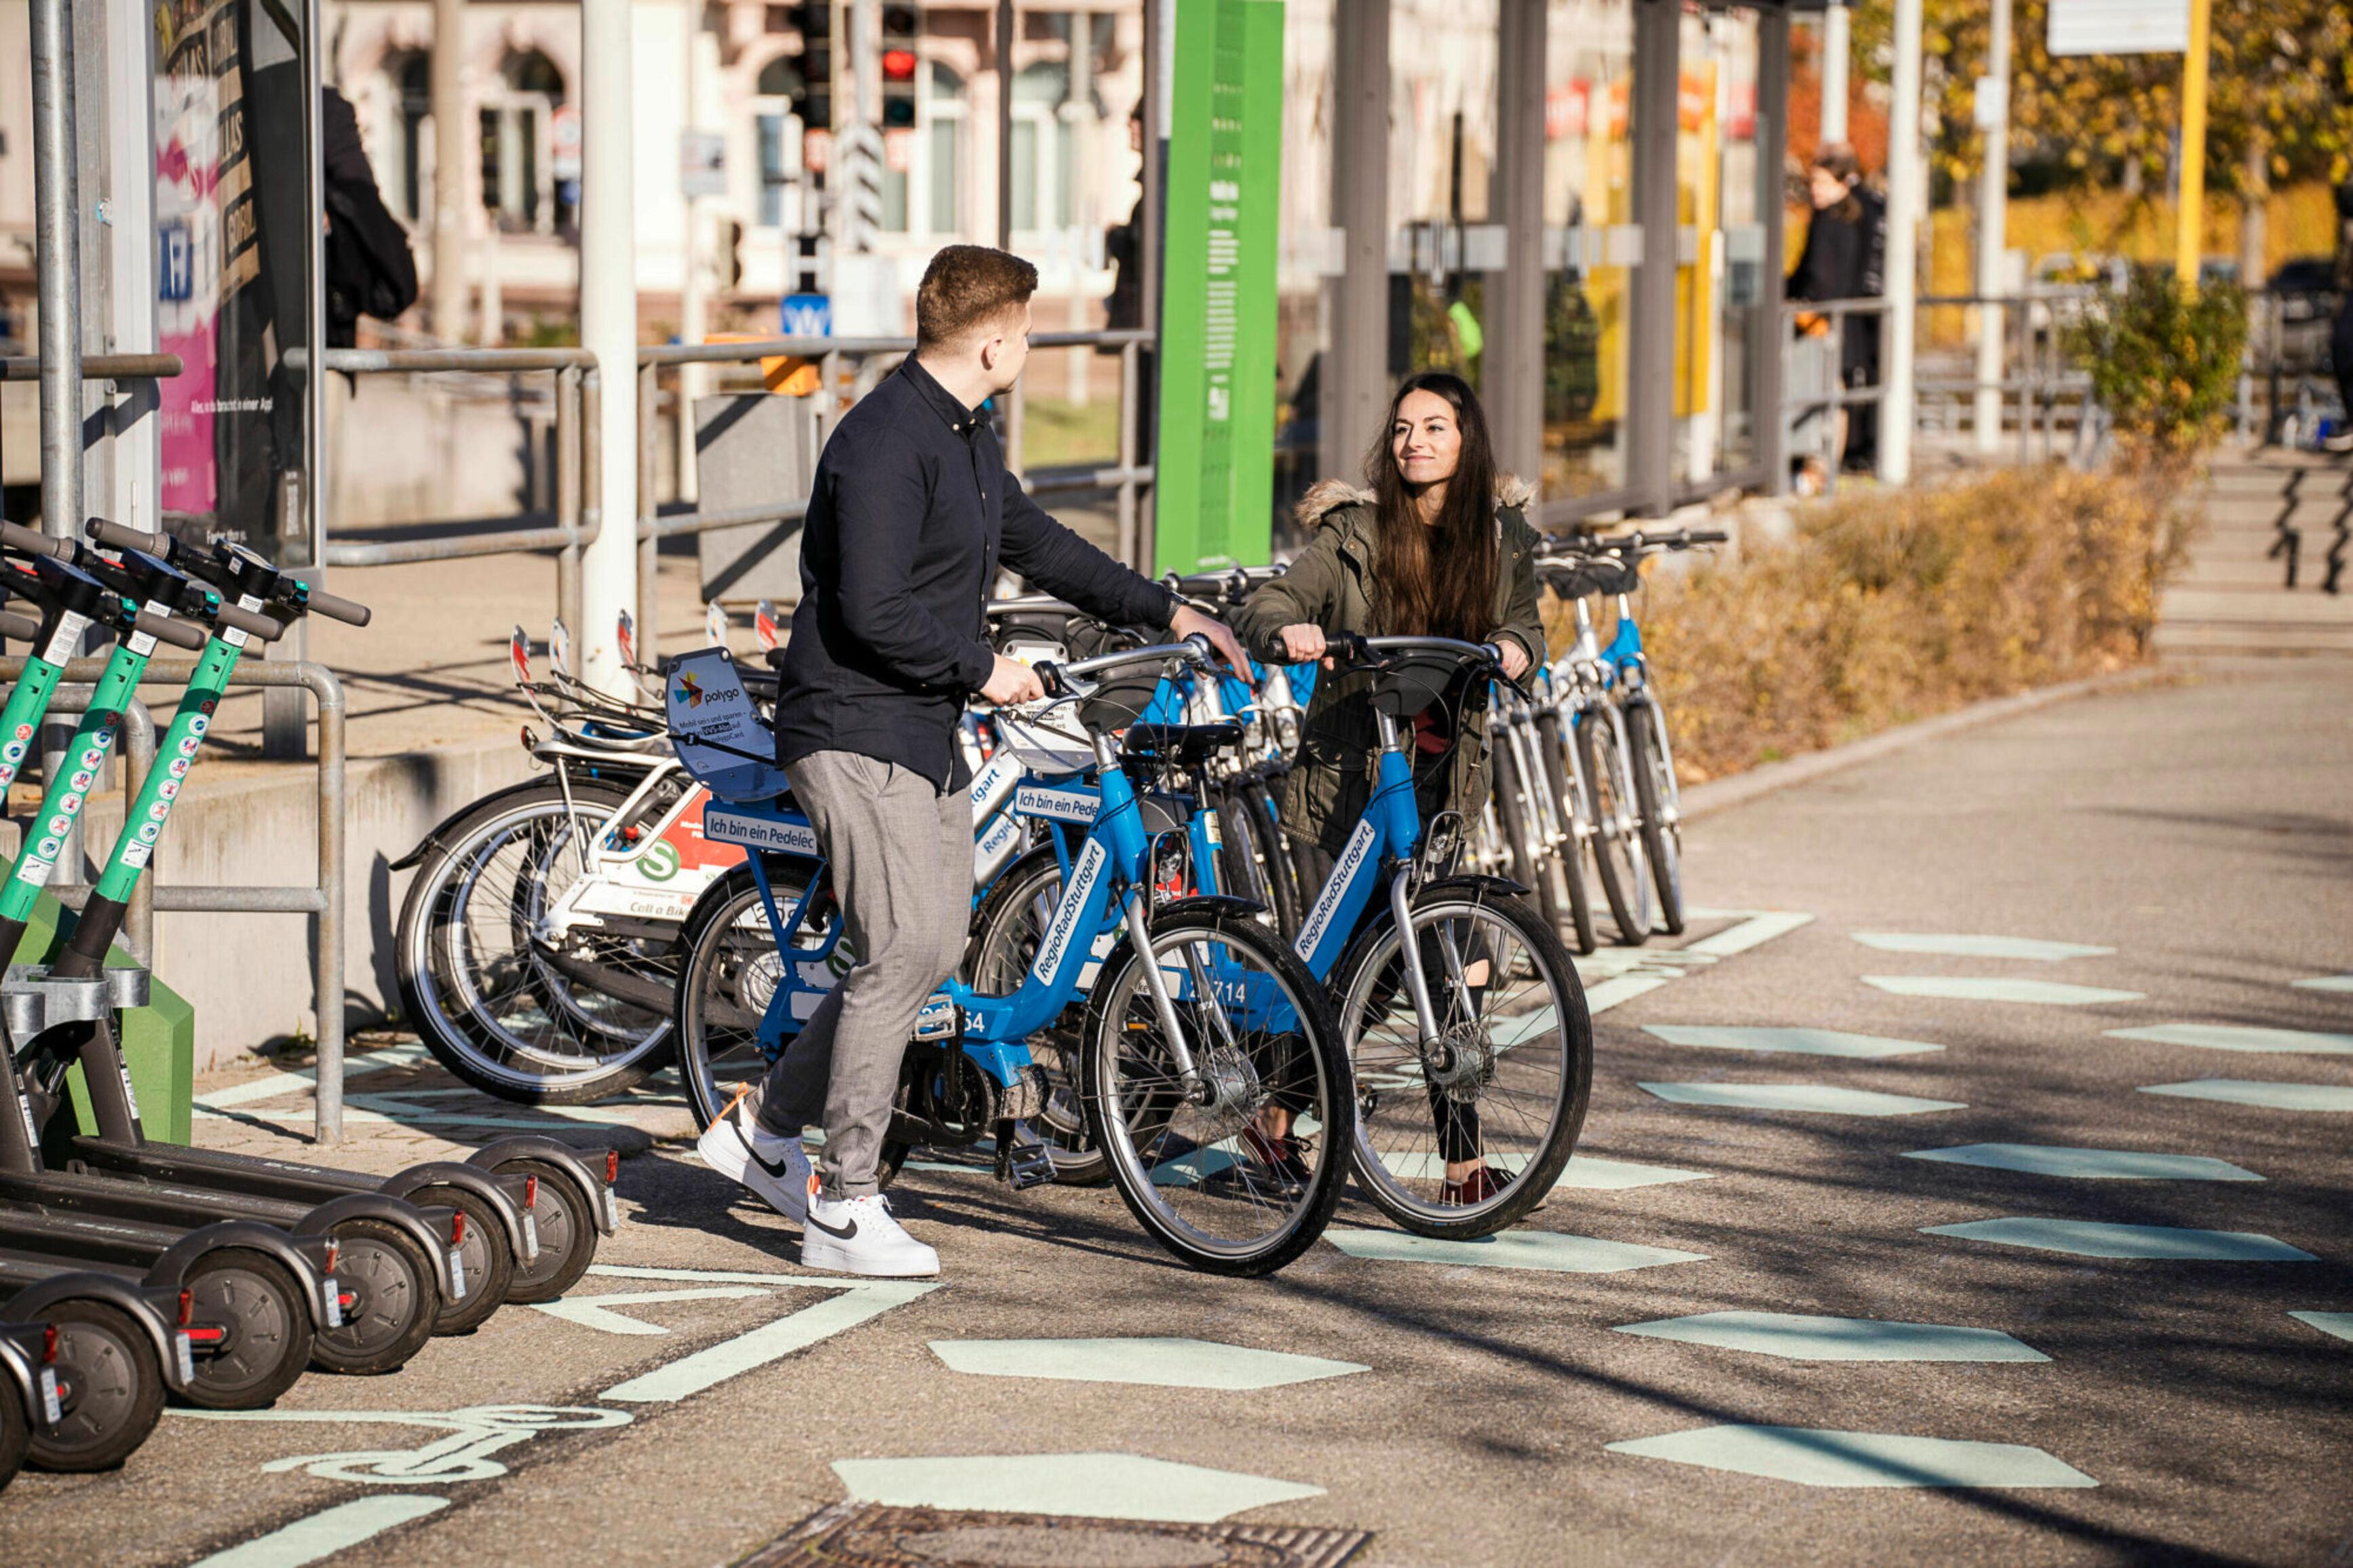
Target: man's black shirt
(910, 519)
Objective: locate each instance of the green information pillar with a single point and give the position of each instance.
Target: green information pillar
(1216, 459)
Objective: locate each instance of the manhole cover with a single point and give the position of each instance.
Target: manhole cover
(871, 1535)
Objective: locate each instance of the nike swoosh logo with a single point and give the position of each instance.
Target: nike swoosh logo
(847, 1232)
(774, 1167)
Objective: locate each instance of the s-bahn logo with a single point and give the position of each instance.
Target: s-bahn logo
(660, 862)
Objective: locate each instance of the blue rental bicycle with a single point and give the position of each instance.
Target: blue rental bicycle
(1197, 1027)
(1479, 1058)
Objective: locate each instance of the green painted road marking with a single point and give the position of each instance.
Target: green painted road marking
(1090, 1486)
(2091, 1164)
(2270, 1096)
(1156, 1362)
(1802, 1337)
(2325, 982)
(2093, 1239)
(1552, 1251)
(1826, 1099)
(1979, 988)
(1796, 1042)
(2242, 1037)
(772, 1342)
(2340, 1324)
(326, 1532)
(1196, 1166)
(1756, 928)
(594, 1311)
(1619, 990)
(717, 1275)
(1812, 1456)
(1586, 1173)
(2032, 949)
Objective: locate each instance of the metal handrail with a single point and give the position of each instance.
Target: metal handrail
(100, 367)
(325, 898)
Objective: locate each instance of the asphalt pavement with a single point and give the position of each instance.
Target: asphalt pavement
(1946, 1195)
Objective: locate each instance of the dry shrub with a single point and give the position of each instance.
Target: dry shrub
(1894, 606)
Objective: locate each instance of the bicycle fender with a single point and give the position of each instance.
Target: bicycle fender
(1476, 885)
(1211, 904)
(480, 1182)
(562, 1157)
(33, 1302)
(432, 840)
(417, 1224)
(255, 1236)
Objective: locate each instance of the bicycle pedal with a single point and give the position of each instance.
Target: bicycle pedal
(1023, 1160)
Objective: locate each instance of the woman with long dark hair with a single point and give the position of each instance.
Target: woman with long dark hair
(1438, 544)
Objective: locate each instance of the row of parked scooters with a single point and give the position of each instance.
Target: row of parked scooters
(133, 1272)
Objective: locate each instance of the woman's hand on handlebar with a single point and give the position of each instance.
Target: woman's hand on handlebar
(1188, 621)
(1516, 658)
(1304, 643)
(1011, 681)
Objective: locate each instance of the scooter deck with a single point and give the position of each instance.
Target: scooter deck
(215, 1170)
(150, 1202)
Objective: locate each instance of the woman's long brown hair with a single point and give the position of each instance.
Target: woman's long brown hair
(1436, 580)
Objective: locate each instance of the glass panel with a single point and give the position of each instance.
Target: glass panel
(945, 153)
(1442, 112)
(1719, 245)
(772, 170)
(1588, 217)
(1304, 258)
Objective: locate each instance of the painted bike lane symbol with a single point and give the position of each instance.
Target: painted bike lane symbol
(475, 1433)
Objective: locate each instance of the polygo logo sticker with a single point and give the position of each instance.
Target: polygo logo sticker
(47, 848)
(148, 832)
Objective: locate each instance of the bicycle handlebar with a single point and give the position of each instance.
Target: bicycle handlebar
(1194, 650)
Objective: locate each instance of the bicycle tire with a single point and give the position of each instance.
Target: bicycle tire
(1361, 984)
(264, 1315)
(729, 969)
(1006, 928)
(1512, 813)
(112, 1393)
(1110, 1038)
(1618, 860)
(488, 1256)
(1274, 857)
(1544, 857)
(1655, 792)
(391, 1314)
(442, 993)
(1557, 778)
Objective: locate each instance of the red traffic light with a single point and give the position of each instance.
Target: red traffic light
(898, 65)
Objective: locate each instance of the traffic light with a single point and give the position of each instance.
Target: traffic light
(900, 64)
(815, 18)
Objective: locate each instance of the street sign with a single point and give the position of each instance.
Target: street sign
(564, 143)
(701, 164)
(808, 316)
(2117, 27)
(177, 268)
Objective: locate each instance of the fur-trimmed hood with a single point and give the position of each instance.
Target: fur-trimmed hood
(1325, 497)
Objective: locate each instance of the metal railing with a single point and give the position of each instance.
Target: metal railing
(324, 898)
(1127, 476)
(578, 507)
(100, 367)
(2036, 372)
(1821, 406)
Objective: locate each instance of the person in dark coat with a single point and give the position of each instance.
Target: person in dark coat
(1845, 258)
(2340, 336)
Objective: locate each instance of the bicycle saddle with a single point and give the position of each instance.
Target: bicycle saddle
(1180, 746)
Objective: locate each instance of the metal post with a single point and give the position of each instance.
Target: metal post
(1650, 359)
(1355, 389)
(1838, 46)
(647, 608)
(1158, 62)
(2189, 219)
(609, 329)
(1513, 371)
(58, 244)
(447, 85)
(1769, 367)
(567, 495)
(1993, 208)
(329, 1104)
(694, 292)
(136, 457)
(1904, 193)
(1004, 124)
(1129, 384)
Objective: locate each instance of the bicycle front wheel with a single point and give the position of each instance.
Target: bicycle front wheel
(1563, 784)
(1654, 788)
(1238, 1173)
(732, 968)
(1503, 1085)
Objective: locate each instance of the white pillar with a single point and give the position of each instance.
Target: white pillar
(694, 288)
(1903, 192)
(1836, 45)
(1993, 222)
(609, 329)
(450, 145)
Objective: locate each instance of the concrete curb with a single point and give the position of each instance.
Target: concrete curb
(1725, 793)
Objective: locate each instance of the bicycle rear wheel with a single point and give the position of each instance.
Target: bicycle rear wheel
(1508, 1081)
(1193, 1167)
(1533, 859)
(1617, 858)
(1558, 779)
(1653, 768)
(1260, 844)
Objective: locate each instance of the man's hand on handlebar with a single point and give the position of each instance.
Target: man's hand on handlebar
(1011, 681)
(1189, 622)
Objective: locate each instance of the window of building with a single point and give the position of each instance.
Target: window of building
(1443, 109)
(516, 118)
(401, 171)
(948, 109)
(1719, 247)
(1043, 148)
(1592, 242)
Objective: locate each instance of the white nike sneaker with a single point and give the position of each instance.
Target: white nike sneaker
(775, 1168)
(860, 1236)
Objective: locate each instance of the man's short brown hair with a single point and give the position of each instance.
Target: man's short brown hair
(966, 287)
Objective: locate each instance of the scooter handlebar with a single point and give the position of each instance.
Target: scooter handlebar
(162, 628)
(351, 612)
(264, 628)
(114, 536)
(24, 628)
(18, 538)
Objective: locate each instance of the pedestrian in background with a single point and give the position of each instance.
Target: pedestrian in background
(1438, 544)
(2340, 335)
(1845, 258)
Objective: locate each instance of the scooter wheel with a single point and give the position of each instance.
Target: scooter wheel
(489, 1257)
(110, 1386)
(389, 1301)
(249, 1327)
(16, 1435)
(567, 1234)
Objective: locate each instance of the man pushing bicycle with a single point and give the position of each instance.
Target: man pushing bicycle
(911, 516)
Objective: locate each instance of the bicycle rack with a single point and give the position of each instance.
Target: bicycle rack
(35, 1003)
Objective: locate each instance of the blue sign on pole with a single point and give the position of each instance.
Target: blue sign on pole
(808, 316)
(176, 269)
